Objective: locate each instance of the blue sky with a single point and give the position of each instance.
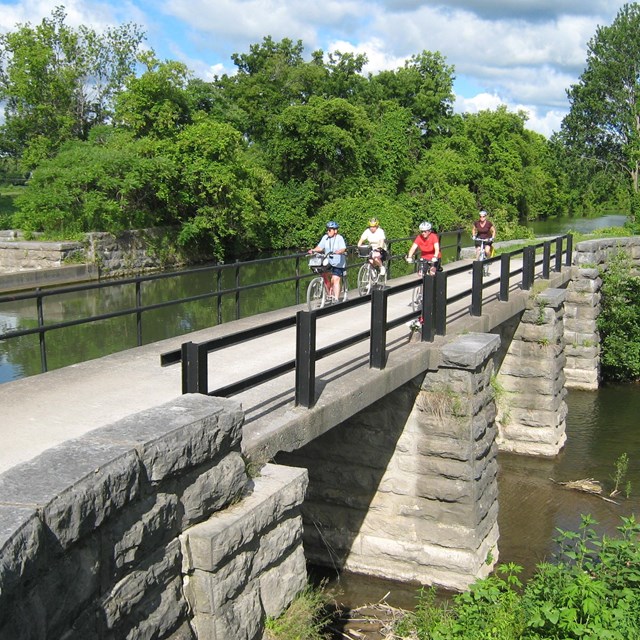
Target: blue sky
(521, 53)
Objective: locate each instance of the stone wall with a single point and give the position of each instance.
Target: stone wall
(149, 528)
(582, 308)
(126, 253)
(407, 489)
(22, 255)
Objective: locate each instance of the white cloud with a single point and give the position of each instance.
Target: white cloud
(528, 52)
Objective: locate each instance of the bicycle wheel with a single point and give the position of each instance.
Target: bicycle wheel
(316, 295)
(416, 298)
(344, 288)
(364, 279)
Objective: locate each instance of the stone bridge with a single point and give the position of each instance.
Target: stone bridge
(130, 511)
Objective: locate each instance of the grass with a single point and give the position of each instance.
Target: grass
(8, 195)
(305, 618)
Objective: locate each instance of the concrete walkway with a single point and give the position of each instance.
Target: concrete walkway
(44, 410)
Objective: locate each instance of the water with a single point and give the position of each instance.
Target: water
(565, 224)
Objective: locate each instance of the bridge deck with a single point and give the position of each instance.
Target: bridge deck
(44, 410)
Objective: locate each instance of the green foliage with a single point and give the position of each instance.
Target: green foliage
(591, 591)
(221, 189)
(157, 103)
(108, 183)
(56, 83)
(304, 619)
(602, 127)
(353, 213)
(619, 320)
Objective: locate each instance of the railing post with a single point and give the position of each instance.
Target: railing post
(428, 307)
(476, 287)
(558, 256)
(305, 359)
(505, 268)
(297, 279)
(441, 303)
(546, 260)
(458, 244)
(138, 312)
(195, 375)
(378, 336)
(237, 270)
(219, 298)
(569, 255)
(41, 337)
(528, 267)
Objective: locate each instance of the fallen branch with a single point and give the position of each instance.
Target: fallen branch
(586, 485)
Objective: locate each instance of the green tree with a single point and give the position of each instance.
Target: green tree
(221, 190)
(326, 142)
(271, 77)
(157, 102)
(111, 182)
(619, 321)
(424, 86)
(56, 83)
(603, 127)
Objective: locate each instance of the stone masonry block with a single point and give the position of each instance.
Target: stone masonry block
(469, 351)
(283, 582)
(21, 542)
(276, 491)
(183, 433)
(130, 595)
(76, 485)
(213, 490)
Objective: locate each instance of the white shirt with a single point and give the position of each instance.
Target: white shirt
(376, 239)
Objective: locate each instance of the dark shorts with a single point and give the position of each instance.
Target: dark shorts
(487, 241)
(337, 271)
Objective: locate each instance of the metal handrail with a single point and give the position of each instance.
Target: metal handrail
(39, 295)
(433, 313)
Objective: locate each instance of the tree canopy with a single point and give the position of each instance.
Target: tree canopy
(603, 125)
(114, 138)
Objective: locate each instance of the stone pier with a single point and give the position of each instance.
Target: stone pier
(531, 382)
(407, 489)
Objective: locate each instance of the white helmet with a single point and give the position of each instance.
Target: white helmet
(425, 226)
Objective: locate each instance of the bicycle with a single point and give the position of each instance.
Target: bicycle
(369, 275)
(319, 291)
(482, 256)
(431, 266)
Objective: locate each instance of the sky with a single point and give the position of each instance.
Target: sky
(524, 54)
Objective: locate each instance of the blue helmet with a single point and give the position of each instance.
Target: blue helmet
(332, 225)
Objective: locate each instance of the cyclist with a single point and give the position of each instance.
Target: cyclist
(375, 237)
(429, 244)
(483, 230)
(332, 244)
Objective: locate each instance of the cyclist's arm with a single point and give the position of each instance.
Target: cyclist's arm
(363, 237)
(342, 247)
(412, 250)
(436, 249)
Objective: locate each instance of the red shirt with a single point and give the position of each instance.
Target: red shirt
(427, 245)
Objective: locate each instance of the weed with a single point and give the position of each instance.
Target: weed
(305, 618)
(621, 466)
(542, 305)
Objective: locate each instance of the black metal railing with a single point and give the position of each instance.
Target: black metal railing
(451, 242)
(434, 315)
